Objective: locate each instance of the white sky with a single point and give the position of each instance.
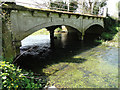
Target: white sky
(112, 8)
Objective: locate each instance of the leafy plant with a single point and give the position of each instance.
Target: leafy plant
(107, 36)
(13, 77)
(111, 29)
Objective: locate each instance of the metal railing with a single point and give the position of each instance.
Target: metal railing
(61, 6)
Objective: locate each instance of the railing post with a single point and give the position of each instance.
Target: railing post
(68, 6)
(105, 11)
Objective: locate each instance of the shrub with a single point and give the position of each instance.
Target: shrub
(13, 77)
(112, 28)
(107, 36)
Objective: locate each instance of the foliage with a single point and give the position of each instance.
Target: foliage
(13, 77)
(111, 27)
(92, 7)
(98, 5)
(58, 29)
(107, 36)
(73, 5)
(41, 32)
(118, 6)
(63, 5)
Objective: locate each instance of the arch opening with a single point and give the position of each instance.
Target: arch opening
(94, 32)
(73, 32)
(38, 52)
(67, 29)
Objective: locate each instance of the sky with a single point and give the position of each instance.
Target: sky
(112, 8)
(111, 4)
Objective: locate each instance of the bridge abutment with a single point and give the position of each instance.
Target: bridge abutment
(17, 45)
(10, 45)
(9, 49)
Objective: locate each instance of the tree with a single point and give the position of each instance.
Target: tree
(90, 6)
(80, 6)
(118, 6)
(98, 6)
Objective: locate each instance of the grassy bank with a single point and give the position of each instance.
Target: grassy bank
(114, 42)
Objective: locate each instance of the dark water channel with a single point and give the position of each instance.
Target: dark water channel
(96, 65)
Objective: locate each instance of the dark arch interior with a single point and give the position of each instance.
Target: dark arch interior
(94, 32)
(74, 32)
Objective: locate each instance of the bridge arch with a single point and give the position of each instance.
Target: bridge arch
(95, 29)
(94, 32)
(45, 25)
(93, 24)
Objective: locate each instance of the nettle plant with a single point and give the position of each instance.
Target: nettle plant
(13, 77)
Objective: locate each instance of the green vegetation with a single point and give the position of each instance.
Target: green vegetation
(13, 77)
(63, 6)
(85, 70)
(41, 31)
(111, 27)
(45, 32)
(57, 30)
(111, 34)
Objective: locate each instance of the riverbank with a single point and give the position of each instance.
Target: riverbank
(94, 68)
(115, 42)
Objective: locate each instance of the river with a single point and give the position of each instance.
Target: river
(72, 63)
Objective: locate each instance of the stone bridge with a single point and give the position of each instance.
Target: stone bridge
(19, 22)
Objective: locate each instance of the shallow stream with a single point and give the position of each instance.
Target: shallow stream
(72, 63)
